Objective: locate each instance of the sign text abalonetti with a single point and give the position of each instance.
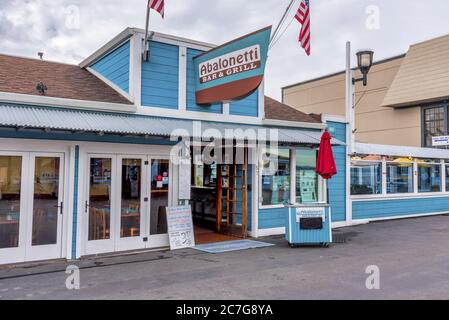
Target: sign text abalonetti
(231, 71)
(232, 63)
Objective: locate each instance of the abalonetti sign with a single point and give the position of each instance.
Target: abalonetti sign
(233, 70)
(230, 64)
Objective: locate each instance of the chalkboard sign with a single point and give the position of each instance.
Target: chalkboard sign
(180, 227)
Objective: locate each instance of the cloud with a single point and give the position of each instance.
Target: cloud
(70, 30)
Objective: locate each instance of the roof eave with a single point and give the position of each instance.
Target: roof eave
(294, 124)
(128, 33)
(115, 42)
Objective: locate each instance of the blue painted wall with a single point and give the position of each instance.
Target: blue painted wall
(403, 207)
(337, 185)
(160, 76)
(191, 104)
(272, 218)
(248, 106)
(115, 66)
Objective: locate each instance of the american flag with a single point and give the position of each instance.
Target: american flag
(303, 17)
(157, 5)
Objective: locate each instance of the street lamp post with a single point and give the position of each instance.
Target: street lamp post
(364, 62)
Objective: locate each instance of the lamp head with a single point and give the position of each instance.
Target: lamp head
(365, 60)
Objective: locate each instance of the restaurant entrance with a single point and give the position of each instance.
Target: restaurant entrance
(126, 200)
(220, 199)
(31, 206)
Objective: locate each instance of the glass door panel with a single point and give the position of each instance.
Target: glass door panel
(131, 190)
(159, 200)
(100, 199)
(10, 196)
(46, 201)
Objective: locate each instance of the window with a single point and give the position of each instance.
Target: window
(276, 177)
(434, 122)
(429, 176)
(306, 177)
(400, 175)
(366, 178)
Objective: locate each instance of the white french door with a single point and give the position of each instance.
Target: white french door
(44, 232)
(31, 206)
(126, 200)
(131, 189)
(159, 186)
(101, 203)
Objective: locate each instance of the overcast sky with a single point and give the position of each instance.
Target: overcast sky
(70, 30)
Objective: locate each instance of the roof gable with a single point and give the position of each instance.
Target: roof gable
(423, 76)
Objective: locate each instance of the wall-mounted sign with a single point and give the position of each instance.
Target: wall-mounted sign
(440, 141)
(233, 70)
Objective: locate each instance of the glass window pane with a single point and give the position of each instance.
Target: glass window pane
(100, 199)
(429, 177)
(306, 177)
(10, 193)
(131, 198)
(434, 124)
(400, 177)
(276, 178)
(46, 201)
(366, 178)
(160, 175)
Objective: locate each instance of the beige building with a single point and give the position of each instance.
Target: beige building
(405, 103)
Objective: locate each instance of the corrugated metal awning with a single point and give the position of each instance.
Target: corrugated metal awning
(401, 151)
(59, 119)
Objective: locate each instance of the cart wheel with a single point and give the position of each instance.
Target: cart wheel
(326, 245)
(291, 245)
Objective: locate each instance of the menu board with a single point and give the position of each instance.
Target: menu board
(180, 227)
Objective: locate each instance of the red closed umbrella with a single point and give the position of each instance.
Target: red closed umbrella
(326, 166)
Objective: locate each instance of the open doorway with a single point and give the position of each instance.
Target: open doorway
(219, 201)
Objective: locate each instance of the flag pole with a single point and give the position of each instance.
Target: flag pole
(282, 21)
(146, 54)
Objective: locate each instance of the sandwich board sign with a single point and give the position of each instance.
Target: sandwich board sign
(180, 227)
(440, 141)
(233, 70)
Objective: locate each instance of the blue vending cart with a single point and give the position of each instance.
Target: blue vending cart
(309, 224)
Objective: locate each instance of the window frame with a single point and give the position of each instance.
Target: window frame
(415, 194)
(322, 184)
(433, 163)
(442, 104)
(382, 182)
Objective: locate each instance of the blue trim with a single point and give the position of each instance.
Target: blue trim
(75, 202)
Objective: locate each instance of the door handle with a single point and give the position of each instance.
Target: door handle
(86, 207)
(61, 208)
